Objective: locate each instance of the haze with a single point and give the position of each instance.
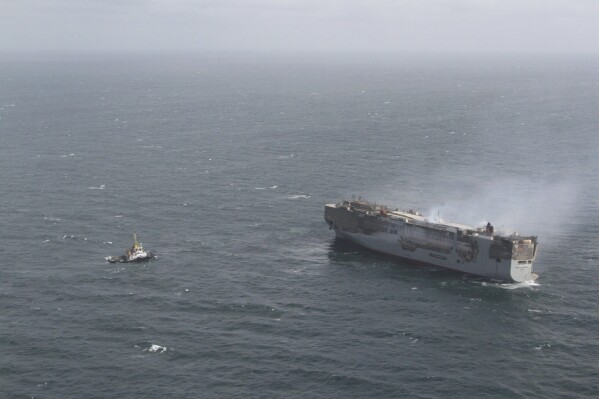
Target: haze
(531, 26)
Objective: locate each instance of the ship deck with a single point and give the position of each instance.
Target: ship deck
(424, 220)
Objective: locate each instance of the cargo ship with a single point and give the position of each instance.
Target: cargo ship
(409, 235)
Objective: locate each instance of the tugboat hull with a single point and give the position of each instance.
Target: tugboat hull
(123, 258)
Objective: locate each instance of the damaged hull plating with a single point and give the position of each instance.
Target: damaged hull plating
(408, 235)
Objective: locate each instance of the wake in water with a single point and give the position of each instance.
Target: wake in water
(515, 286)
(529, 284)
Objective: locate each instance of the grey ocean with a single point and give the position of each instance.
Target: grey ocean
(222, 165)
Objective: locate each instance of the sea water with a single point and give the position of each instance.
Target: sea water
(222, 166)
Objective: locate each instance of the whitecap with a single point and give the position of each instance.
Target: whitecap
(150, 347)
(273, 187)
(157, 348)
(98, 188)
(298, 196)
(286, 156)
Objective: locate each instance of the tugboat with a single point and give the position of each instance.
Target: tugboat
(134, 254)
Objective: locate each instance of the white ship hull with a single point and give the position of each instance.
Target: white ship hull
(451, 246)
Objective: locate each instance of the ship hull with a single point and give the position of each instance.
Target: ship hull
(124, 259)
(444, 246)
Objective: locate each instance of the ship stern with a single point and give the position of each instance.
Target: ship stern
(524, 252)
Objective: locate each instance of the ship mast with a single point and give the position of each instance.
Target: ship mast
(135, 242)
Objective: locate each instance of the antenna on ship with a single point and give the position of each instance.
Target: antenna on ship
(135, 243)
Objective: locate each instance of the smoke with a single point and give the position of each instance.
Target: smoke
(514, 205)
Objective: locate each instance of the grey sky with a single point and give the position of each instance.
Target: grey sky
(570, 26)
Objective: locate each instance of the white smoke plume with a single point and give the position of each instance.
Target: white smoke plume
(514, 205)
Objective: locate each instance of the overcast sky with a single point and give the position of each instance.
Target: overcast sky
(546, 26)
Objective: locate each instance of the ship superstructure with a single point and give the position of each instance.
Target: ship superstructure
(409, 235)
